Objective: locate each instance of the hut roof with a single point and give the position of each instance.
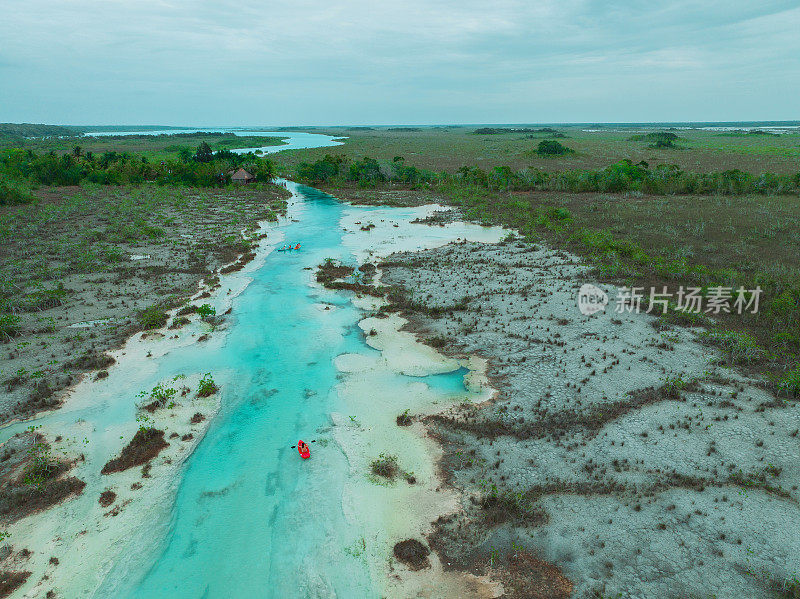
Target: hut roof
(242, 175)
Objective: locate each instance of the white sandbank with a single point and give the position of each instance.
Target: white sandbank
(96, 420)
(389, 512)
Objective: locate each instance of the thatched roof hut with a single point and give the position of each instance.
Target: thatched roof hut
(242, 176)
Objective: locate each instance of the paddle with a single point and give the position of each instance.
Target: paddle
(295, 446)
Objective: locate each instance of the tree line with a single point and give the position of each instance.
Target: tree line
(204, 168)
(623, 176)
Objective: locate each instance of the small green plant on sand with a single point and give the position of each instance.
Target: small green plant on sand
(41, 467)
(207, 386)
(206, 310)
(385, 466)
(404, 419)
(144, 422)
(9, 326)
(159, 395)
(357, 548)
(549, 147)
(673, 386)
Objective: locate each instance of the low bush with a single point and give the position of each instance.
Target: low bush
(91, 361)
(207, 386)
(153, 317)
(790, 383)
(506, 506)
(159, 397)
(206, 310)
(549, 147)
(404, 419)
(385, 466)
(13, 195)
(146, 444)
(412, 553)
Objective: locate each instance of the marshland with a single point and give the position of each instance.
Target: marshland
(379, 300)
(503, 443)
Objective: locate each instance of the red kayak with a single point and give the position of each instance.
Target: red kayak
(303, 449)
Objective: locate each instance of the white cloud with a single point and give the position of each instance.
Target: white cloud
(304, 61)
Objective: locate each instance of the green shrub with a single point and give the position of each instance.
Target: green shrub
(741, 347)
(385, 466)
(207, 386)
(9, 326)
(12, 196)
(158, 397)
(41, 467)
(153, 317)
(790, 384)
(206, 310)
(550, 147)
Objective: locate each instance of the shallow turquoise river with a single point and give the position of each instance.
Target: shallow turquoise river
(249, 518)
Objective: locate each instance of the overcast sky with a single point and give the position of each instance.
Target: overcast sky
(284, 62)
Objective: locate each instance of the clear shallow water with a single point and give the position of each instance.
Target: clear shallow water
(250, 518)
(293, 140)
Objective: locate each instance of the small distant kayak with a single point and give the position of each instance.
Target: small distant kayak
(303, 449)
(297, 247)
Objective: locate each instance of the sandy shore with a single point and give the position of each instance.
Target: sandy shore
(620, 449)
(70, 548)
(391, 511)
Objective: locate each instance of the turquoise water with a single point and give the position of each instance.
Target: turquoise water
(250, 519)
(293, 140)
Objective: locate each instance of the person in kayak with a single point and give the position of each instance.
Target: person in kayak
(302, 447)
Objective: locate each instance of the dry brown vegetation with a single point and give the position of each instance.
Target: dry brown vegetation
(106, 498)
(11, 581)
(31, 480)
(412, 553)
(330, 275)
(546, 423)
(146, 444)
(527, 577)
